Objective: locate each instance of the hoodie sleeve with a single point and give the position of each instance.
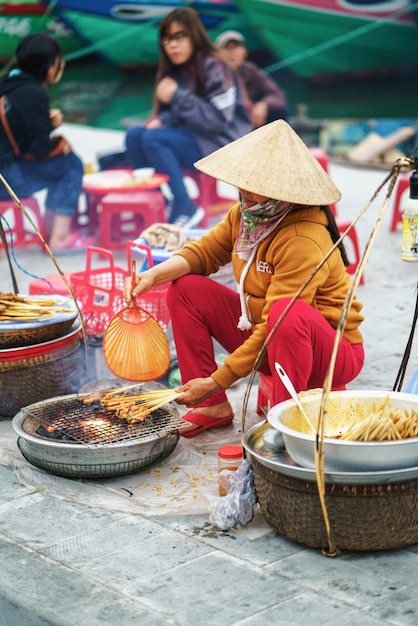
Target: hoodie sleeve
(210, 113)
(27, 109)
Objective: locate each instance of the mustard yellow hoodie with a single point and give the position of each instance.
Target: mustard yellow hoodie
(283, 262)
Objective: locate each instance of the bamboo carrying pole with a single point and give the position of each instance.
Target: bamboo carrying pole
(51, 255)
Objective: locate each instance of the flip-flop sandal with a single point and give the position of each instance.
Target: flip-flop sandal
(204, 422)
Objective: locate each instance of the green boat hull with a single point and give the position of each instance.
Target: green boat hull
(315, 43)
(14, 28)
(128, 44)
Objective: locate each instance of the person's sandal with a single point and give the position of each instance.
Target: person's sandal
(204, 422)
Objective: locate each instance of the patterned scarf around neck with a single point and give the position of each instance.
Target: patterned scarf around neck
(259, 221)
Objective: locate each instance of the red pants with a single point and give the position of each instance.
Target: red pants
(202, 310)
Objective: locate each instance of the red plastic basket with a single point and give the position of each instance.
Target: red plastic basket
(99, 289)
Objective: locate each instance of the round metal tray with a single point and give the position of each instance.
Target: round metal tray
(278, 460)
(17, 333)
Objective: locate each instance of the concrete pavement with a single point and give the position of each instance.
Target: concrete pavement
(86, 553)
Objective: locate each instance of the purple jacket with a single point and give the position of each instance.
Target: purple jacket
(214, 119)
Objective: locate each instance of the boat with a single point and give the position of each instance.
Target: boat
(19, 19)
(323, 39)
(372, 143)
(125, 33)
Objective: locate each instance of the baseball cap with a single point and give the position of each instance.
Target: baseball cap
(229, 35)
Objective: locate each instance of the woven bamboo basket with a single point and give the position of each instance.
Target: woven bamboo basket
(362, 517)
(56, 370)
(16, 338)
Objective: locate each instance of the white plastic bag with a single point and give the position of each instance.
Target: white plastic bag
(236, 508)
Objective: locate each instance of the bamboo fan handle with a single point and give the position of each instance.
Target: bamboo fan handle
(133, 276)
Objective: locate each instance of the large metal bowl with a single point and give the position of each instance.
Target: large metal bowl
(344, 408)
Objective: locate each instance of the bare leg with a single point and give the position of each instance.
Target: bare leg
(61, 231)
(49, 218)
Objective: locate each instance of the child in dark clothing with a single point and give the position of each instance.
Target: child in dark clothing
(31, 157)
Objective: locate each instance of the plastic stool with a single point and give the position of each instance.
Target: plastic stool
(124, 215)
(402, 186)
(322, 157)
(355, 253)
(22, 231)
(265, 392)
(57, 285)
(208, 197)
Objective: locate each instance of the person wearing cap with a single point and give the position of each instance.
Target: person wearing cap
(267, 101)
(277, 237)
(199, 107)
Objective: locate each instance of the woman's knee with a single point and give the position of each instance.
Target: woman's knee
(192, 289)
(298, 310)
(152, 139)
(178, 287)
(76, 164)
(134, 136)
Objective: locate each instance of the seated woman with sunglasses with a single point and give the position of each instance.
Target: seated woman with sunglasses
(199, 107)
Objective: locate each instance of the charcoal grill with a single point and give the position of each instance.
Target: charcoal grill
(67, 437)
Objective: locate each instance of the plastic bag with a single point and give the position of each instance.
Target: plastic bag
(236, 508)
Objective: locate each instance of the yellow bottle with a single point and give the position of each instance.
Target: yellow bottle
(410, 230)
(89, 168)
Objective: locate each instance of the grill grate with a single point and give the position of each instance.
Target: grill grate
(92, 425)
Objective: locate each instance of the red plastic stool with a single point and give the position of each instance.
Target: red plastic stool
(53, 283)
(265, 392)
(401, 188)
(353, 254)
(323, 159)
(22, 230)
(321, 156)
(208, 197)
(124, 215)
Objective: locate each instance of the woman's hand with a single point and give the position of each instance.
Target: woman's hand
(166, 89)
(259, 113)
(196, 390)
(153, 123)
(143, 283)
(56, 117)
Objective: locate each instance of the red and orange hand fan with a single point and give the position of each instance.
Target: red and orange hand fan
(134, 345)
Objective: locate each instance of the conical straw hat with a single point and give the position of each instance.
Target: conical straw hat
(272, 161)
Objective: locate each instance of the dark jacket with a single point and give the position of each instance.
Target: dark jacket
(27, 110)
(261, 87)
(217, 117)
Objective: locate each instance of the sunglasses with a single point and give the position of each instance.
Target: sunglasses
(177, 37)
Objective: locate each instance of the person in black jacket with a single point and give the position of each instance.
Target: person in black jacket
(268, 102)
(32, 157)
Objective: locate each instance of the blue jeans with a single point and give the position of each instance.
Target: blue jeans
(62, 176)
(168, 150)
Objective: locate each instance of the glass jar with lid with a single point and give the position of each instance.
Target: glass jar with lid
(229, 458)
